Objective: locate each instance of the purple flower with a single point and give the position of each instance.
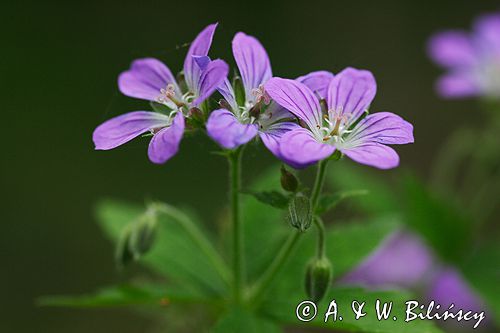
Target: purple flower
(472, 59)
(341, 124)
(151, 80)
(237, 124)
(402, 260)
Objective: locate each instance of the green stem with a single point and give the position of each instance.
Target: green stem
(263, 283)
(235, 187)
(321, 249)
(198, 237)
(318, 183)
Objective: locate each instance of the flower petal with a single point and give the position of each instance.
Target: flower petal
(448, 287)
(252, 61)
(388, 265)
(487, 29)
(119, 130)
(211, 78)
(457, 85)
(199, 47)
(299, 149)
(351, 91)
(317, 81)
(373, 154)
(297, 98)
(165, 143)
(272, 135)
(452, 49)
(227, 91)
(145, 78)
(382, 127)
(227, 131)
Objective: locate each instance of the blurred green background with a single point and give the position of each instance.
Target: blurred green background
(60, 61)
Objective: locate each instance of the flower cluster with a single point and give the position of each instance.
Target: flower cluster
(301, 121)
(473, 59)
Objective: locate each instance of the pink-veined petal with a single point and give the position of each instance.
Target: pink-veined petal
(272, 135)
(382, 127)
(299, 149)
(317, 81)
(211, 78)
(199, 47)
(165, 143)
(373, 154)
(296, 98)
(145, 78)
(252, 61)
(227, 131)
(119, 130)
(351, 91)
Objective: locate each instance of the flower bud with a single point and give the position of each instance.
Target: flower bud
(143, 235)
(123, 255)
(300, 212)
(318, 278)
(288, 180)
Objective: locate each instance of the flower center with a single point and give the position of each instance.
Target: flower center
(252, 109)
(335, 126)
(169, 98)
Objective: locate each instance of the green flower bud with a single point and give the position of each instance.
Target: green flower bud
(288, 180)
(143, 234)
(123, 255)
(300, 212)
(318, 278)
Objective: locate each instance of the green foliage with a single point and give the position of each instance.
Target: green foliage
(330, 201)
(447, 229)
(283, 309)
(272, 198)
(243, 321)
(121, 295)
(174, 254)
(481, 270)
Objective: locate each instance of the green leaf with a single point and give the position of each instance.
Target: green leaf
(444, 226)
(481, 271)
(174, 254)
(243, 321)
(272, 198)
(121, 295)
(265, 229)
(283, 309)
(330, 201)
(381, 198)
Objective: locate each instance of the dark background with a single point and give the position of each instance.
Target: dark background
(58, 70)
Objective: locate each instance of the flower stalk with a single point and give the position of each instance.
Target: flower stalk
(234, 159)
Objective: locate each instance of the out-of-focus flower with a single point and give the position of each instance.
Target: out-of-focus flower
(340, 123)
(236, 124)
(471, 58)
(402, 260)
(151, 80)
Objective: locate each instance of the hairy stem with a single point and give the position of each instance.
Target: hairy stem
(287, 249)
(234, 190)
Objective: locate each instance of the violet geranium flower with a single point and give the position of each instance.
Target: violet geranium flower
(472, 59)
(342, 123)
(236, 124)
(151, 80)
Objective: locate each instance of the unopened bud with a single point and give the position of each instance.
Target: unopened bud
(143, 235)
(123, 255)
(288, 180)
(300, 212)
(318, 278)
